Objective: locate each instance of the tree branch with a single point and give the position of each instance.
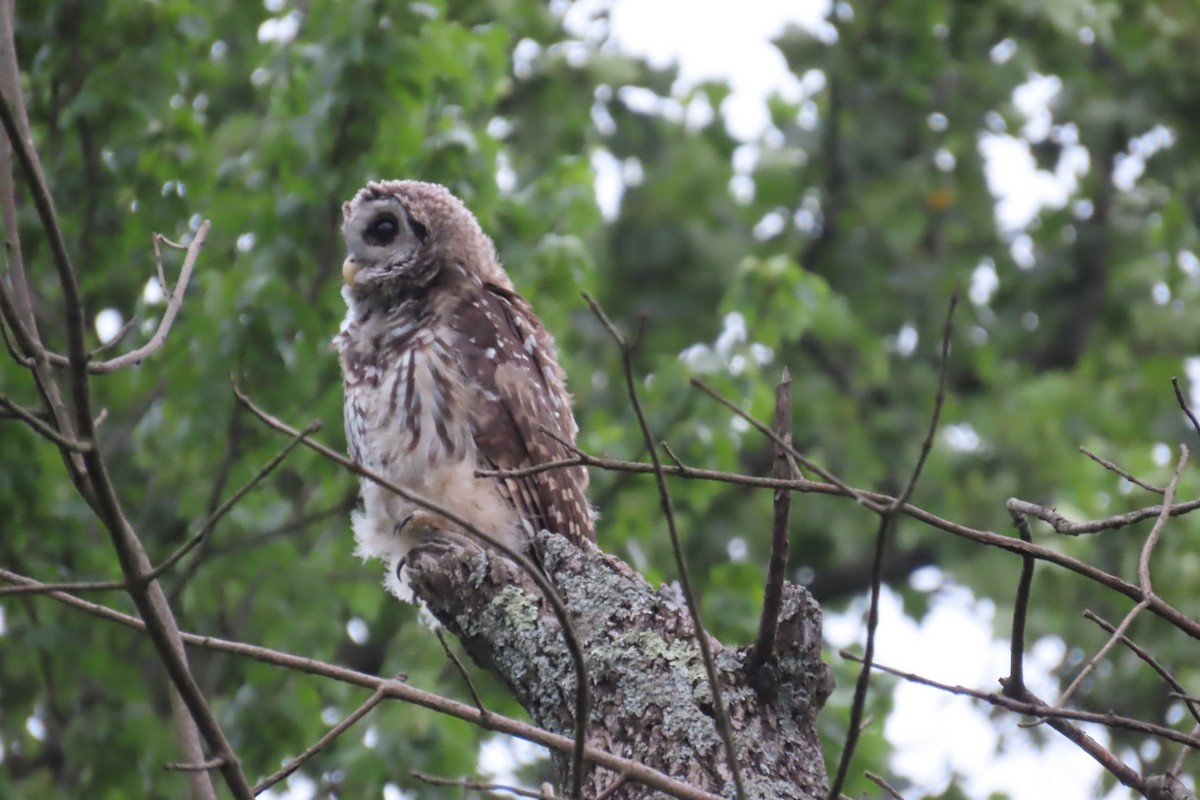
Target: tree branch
(548, 590)
(42, 429)
(633, 770)
(94, 482)
(174, 303)
(764, 643)
(337, 730)
(722, 718)
(648, 687)
(887, 520)
(879, 500)
(1030, 705)
(1191, 703)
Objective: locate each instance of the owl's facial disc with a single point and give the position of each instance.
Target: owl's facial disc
(383, 244)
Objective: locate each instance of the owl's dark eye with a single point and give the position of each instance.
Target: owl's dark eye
(382, 230)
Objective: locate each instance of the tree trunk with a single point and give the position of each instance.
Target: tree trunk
(650, 696)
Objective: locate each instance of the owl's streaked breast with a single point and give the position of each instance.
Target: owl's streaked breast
(407, 416)
(405, 400)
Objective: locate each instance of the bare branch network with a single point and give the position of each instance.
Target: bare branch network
(734, 680)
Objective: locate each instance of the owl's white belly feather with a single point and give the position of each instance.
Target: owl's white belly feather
(407, 420)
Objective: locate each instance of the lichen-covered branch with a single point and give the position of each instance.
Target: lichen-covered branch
(650, 699)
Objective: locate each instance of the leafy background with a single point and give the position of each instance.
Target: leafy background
(829, 243)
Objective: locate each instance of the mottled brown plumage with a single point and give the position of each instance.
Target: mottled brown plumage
(447, 370)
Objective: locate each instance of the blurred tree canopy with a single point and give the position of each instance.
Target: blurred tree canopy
(829, 244)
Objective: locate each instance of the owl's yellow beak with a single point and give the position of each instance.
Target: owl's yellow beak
(349, 270)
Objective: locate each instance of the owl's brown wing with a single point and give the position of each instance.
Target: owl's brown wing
(521, 396)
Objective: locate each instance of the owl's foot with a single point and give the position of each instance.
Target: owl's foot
(425, 531)
(430, 532)
(421, 525)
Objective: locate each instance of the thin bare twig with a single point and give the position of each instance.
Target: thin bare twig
(43, 429)
(1060, 722)
(1183, 404)
(216, 516)
(636, 772)
(1058, 718)
(880, 500)
(1177, 767)
(674, 457)
(613, 788)
(203, 766)
(73, 303)
(117, 338)
(18, 309)
(158, 241)
(205, 528)
(882, 784)
(1057, 521)
(33, 356)
(1016, 648)
(582, 698)
(768, 623)
(859, 497)
(174, 303)
(877, 500)
(1113, 468)
(863, 682)
(462, 673)
(1160, 524)
(938, 402)
(9, 344)
(479, 786)
(92, 478)
(1064, 526)
(887, 520)
(1100, 654)
(1192, 704)
(10, 86)
(67, 586)
(337, 730)
(1143, 579)
(722, 717)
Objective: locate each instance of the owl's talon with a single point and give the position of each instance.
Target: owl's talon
(437, 545)
(421, 525)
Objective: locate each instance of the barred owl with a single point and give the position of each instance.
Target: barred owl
(447, 370)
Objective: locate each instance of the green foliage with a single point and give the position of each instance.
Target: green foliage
(153, 116)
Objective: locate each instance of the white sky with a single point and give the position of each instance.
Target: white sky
(935, 734)
(709, 40)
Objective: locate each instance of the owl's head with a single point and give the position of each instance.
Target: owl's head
(403, 236)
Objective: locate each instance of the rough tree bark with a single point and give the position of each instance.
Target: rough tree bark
(650, 696)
